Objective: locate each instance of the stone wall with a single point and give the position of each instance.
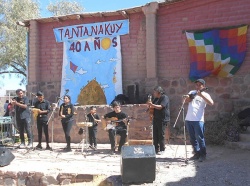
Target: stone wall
(39, 178)
(139, 127)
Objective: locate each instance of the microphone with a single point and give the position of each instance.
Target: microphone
(59, 98)
(67, 90)
(33, 94)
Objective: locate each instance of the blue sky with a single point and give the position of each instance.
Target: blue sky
(98, 5)
(90, 6)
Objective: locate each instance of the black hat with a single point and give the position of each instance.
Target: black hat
(202, 81)
(39, 93)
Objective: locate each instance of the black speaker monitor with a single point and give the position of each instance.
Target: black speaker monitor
(138, 164)
(5, 156)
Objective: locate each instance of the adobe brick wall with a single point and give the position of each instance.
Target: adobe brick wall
(229, 94)
(173, 52)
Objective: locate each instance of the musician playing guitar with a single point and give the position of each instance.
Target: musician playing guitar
(161, 118)
(119, 118)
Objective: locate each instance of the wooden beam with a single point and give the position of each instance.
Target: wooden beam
(124, 13)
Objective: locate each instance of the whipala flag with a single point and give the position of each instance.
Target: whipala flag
(217, 52)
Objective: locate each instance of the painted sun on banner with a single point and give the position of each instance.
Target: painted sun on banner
(218, 52)
(92, 61)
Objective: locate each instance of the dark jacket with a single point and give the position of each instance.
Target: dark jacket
(68, 111)
(22, 113)
(44, 105)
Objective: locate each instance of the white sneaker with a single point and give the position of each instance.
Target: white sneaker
(29, 145)
(161, 153)
(22, 145)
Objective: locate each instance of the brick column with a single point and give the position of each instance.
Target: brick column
(151, 80)
(150, 11)
(33, 63)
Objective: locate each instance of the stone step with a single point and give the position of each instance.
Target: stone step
(246, 131)
(245, 137)
(238, 145)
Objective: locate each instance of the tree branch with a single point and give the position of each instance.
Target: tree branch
(19, 71)
(12, 72)
(19, 64)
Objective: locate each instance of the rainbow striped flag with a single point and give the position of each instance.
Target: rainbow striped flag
(218, 52)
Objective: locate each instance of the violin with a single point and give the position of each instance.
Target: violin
(192, 96)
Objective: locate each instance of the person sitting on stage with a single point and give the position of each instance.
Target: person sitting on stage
(66, 112)
(119, 118)
(94, 118)
(42, 119)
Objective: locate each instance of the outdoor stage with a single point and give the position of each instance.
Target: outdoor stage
(44, 167)
(98, 168)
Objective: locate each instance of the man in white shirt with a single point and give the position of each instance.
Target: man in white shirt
(197, 100)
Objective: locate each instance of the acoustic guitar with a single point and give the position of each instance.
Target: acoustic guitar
(150, 110)
(111, 123)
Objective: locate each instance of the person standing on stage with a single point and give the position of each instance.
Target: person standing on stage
(161, 118)
(197, 100)
(5, 105)
(42, 119)
(120, 128)
(66, 112)
(9, 108)
(23, 119)
(94, 118)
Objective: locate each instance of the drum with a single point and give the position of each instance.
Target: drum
(84, 124)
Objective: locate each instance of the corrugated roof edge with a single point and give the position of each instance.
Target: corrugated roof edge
(97, 14)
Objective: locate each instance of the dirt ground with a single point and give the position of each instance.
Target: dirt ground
(223, 166)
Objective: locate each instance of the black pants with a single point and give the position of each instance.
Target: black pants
(42, 126)
(92, 135)
(122, 133)
(67, 125)
(159, 129)
(24, 124)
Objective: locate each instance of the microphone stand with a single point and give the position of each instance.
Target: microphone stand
(32, 118)
(52, 116)
(184, 126)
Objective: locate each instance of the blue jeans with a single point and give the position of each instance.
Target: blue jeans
(196, 131)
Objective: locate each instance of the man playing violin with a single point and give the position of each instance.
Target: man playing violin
(119, 118)
(197, 100)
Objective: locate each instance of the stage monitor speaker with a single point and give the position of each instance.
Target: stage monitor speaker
(138, 164)
(5, 156)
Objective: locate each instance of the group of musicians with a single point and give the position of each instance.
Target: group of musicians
(196, 99)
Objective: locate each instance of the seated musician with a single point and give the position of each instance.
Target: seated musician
(118, 118)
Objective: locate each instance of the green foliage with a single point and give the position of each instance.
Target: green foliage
(64, 7)
(13, 52)
(216, 132)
